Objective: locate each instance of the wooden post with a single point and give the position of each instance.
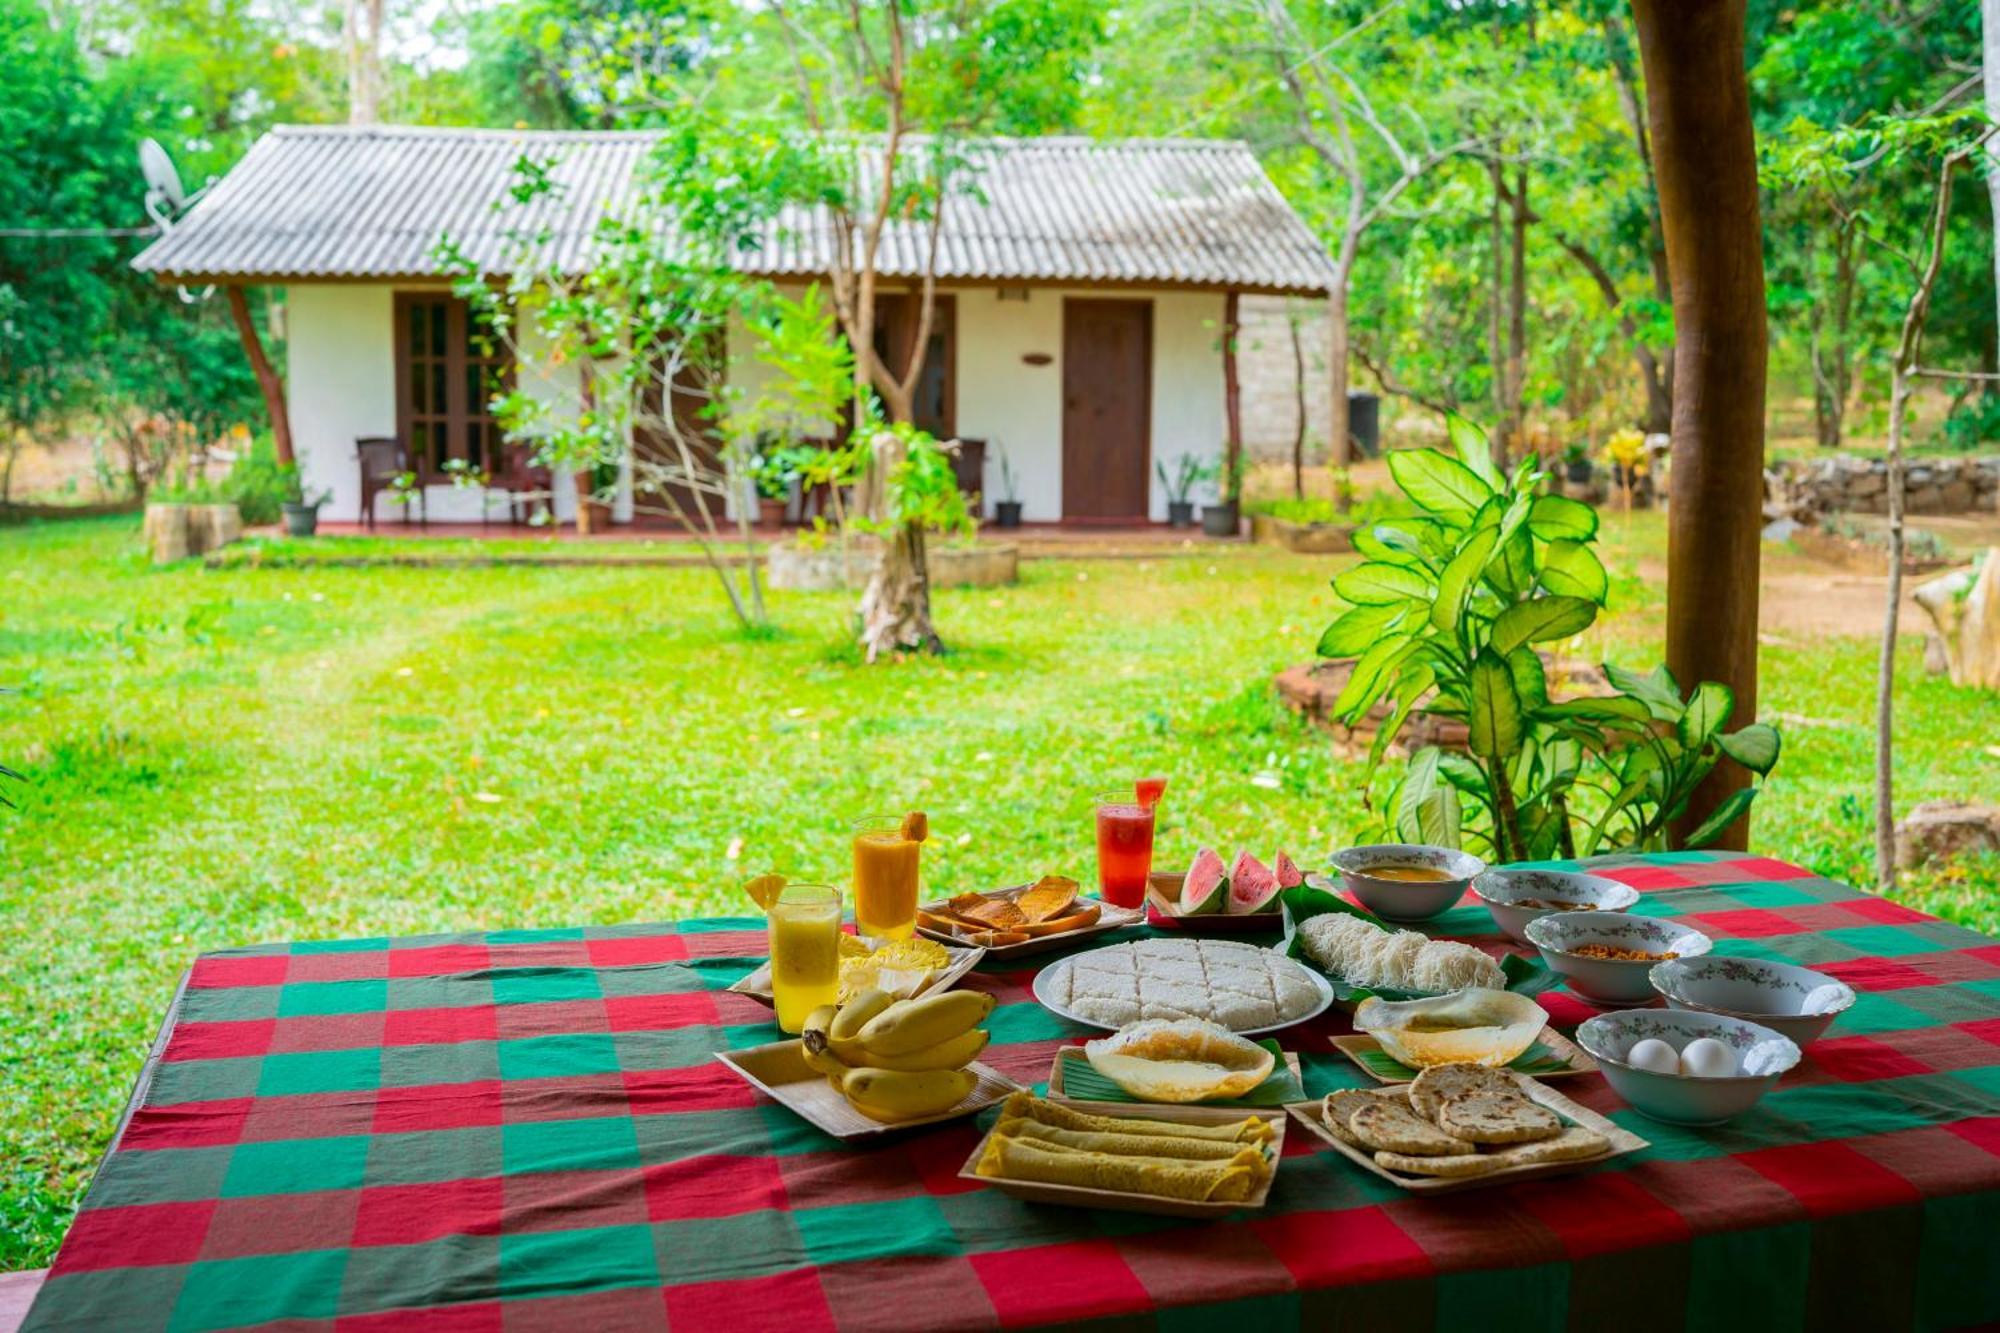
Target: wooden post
(1232, 392)
(1698, 106)
(268, 382)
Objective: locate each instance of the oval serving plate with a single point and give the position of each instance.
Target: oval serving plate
(1319, 981)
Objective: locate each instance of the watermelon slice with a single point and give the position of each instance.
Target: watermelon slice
(1150, 790)
(1205, 887)
(1252, 886)
(1289, 875)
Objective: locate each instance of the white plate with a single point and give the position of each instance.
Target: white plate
(1324, 987)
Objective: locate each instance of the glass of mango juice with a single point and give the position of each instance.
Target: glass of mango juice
(885, 878)
(804, 925)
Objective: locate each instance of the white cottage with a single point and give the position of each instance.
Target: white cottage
(1085, 296)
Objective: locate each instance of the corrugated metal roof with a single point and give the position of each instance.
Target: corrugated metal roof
(337, 202)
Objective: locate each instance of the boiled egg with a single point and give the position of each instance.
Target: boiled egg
(1655, 1055)
(1705, 1057)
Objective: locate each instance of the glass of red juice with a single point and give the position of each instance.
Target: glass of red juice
(1124, 848)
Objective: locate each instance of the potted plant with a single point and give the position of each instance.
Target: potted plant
(1007, 511)
(771, 472)
(594, 495)
(1188, 472)
(1221, 519)
(301, 513)
(1578, 470)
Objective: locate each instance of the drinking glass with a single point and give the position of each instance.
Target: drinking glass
(804, 925)
(1124, 848)
(885, 879)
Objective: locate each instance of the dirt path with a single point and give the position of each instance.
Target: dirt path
(1806, 598)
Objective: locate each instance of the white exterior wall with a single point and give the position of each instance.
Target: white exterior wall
(340, 385)
(1017, 407)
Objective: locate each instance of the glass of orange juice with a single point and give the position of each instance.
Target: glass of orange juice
(885, 879)
(804, 925)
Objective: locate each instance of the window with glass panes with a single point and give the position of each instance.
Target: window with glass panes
(447, 374)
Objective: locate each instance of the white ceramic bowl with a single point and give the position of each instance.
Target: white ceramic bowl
(1762, 1057)
(1611, 981)
(1796, 1001)
(1506, 893)
(1405, 901)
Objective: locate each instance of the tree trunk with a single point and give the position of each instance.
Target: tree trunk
(1340, 448)
(1496, 304)
(364, 61)
(1232, 393)
(1517, 322)
(1698, 108)
(1299, 406)
(1885, 667)
(896, 604)
(1989, 27)
(268, 382)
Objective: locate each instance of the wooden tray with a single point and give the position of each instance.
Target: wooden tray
(758, 984)
(1109, 918)
(780, 1072)
(1361, 1045)
(1056, 1088)
(1160, 890)
(1075, 1196)
(1623, 1141)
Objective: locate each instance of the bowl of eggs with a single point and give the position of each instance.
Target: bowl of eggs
(1516, 897)
(1795, 1001)
(1405, 882)
(1684, 1067)
(1605, 956)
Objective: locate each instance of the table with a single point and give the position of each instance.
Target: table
(526, 1129)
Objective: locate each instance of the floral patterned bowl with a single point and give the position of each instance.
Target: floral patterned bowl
(1762, 1057)
(1508, 893)
(1404, 900)
(1611, 982)
(1796, 1001)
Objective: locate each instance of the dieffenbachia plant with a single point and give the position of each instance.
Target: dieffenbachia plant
(1446, 611)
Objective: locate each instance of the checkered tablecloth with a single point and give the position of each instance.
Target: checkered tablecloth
(527, 1130)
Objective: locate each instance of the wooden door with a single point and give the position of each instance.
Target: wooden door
(934, 401)
(654, 442)
(1107, 409)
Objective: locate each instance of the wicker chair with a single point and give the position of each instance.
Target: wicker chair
(383, 459)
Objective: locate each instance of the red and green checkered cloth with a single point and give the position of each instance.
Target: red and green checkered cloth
(527, 1130)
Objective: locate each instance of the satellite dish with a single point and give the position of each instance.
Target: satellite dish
(167, 198)
(162, 181)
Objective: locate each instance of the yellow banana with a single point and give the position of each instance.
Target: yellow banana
(895, 1094)
(823, 1061)
(909, 1026)
(819, 1020)
(955, 1053)
(856, 1013)
(815, 1046)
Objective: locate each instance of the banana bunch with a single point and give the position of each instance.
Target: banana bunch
(899, 1059)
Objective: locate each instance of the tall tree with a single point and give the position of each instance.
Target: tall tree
(363, 35)
(1698, 111)
(1364, 158)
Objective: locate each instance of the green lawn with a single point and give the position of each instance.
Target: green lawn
(226, 756)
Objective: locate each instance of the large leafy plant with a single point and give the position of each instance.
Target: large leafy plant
(1446, 612)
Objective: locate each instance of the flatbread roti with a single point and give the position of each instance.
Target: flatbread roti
(1391, 1127)
(1497, 1118)
(1434, 1086)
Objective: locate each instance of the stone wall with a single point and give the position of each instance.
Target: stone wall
(1861, 485)
(1265, 370)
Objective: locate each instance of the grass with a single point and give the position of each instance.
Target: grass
(225, 756)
